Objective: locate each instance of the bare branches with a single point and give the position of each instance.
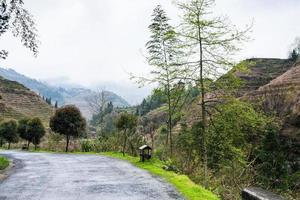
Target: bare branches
(97, 102)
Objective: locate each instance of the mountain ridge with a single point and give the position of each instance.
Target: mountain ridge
(63, 96)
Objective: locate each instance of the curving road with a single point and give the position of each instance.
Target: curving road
(43, 176)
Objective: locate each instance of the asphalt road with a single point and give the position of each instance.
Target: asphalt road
(43, 176)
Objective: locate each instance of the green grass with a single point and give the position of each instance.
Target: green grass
(4, 162)
(183, 184)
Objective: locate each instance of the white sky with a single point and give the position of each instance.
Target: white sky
(98, 42)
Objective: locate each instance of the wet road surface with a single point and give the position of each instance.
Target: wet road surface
(43, 176)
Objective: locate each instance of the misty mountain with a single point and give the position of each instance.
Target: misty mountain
(62, 95)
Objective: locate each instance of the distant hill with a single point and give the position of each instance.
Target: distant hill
(17, 101)
(62, 95)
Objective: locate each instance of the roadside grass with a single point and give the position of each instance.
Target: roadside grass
(183, 184)
(189, 189)
(4, 162)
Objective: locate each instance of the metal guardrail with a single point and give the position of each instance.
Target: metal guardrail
(254, 193)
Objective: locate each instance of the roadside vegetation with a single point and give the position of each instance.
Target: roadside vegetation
(4, 162)
(183, 184)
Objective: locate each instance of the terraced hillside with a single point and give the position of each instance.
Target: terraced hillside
(260, 71)
(17, 101)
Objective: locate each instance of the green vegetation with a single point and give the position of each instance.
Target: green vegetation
(4, 162)
(8, 132)
(31, 130)
(126, 123)
(68, 121)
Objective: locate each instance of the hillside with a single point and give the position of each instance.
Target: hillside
(62, 95)
(260, 71)
(17, 101)
(80, 96)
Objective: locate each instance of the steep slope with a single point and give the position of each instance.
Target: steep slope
(17, 101)
(34, 85)
(260, 71)
(281, 94)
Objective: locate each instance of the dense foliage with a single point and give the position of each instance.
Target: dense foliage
(31, 130)
(8, 132)
(68, 121)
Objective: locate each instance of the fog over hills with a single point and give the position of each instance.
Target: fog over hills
(63, 94)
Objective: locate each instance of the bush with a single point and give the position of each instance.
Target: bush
(3, 163)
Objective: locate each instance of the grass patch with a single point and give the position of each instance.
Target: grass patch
(4, 162)
(183, 184)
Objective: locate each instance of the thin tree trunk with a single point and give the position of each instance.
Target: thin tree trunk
(1, 142)
(35, 146)
(170, 123)
(203, 111)
(152, 139)
(124, 144)
(9, 145)
(67, 146)
(28, 144)
(169, 101)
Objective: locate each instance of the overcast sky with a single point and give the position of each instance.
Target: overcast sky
(98, 42)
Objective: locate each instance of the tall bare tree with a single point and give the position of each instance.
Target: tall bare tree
(210, 42)
(97, 101)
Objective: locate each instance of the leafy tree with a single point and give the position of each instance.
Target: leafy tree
(8, 130)
(68, 121)
(164, 55)
(210, 41)
(155, 100)
(23, 130)
(109, 108)
(126, 123)
(276, 167)
(293, 55)
(36, 131)
(14, 17)
(232, 139)
(187, 151)
(295, 52)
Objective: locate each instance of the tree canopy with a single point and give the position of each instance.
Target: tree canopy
(68, 121)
